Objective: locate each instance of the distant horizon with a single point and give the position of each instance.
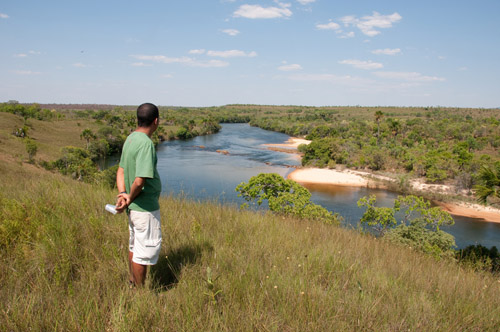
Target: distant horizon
(248, 104)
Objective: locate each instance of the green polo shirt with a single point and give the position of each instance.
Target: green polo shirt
(139, 160)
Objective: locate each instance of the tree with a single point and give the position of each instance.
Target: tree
(87, 135)
(418, 228)
(378, 116)
(489, 188)
(285, 197)
(31, 148)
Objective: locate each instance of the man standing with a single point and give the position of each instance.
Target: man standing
(139, 185)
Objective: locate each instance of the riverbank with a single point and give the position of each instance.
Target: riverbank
(364, 179)
(354, 178)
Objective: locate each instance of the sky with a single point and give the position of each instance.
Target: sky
(217, 52)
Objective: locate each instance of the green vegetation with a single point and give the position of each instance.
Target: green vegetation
(64, 261)
(104, 132)
(285, 197)
(439, 145)
(480, 258)
(488, 189)
(417, 228)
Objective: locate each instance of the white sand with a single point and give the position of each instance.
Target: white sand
(364, 179)
(360, 179)
(293, 142)
(328, 176)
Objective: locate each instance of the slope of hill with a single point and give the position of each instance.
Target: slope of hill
(63, 268)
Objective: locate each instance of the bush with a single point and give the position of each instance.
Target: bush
(285, 197)
(480, 258)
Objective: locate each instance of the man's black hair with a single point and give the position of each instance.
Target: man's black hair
(146, 114)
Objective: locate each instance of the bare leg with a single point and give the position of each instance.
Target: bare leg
(139, 272)
(131, 274)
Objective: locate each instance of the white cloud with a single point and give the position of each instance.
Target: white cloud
(182, 60)
(463, 68)
(369, 24)
(387, 51)
(231, 32)
(23, 55)
(328, 26)
(362, 64)
(441, 57)
(407, 76)
(291, 67)
(257, 12)
(209, 64)
(141, 64)
(2, 15)
(163, 59)
(305, 2)
(231, 54)
(168, 76)
(27, 72)
(81, 65)
(200, 51)
(350, 34)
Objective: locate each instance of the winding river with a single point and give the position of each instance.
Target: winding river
(210, 167)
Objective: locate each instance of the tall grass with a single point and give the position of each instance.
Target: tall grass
(63, 268)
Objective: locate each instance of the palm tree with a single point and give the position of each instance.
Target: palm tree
(489, 189)
(87, 134)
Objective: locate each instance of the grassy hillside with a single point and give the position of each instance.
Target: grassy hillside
(63, 268)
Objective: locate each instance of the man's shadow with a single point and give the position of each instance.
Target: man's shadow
(165, 274)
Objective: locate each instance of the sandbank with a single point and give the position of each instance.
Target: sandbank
(291, 143)
(363, 179)
(353, 178)
(328, 176)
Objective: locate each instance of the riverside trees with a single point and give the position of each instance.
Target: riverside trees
(285, 197)
(440, 145)
(411, 222)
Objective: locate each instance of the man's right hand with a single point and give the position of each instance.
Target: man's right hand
(121, 204)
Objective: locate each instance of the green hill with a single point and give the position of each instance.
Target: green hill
(64, 268)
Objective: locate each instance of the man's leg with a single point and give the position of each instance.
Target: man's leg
(131, 274)
(139, 273)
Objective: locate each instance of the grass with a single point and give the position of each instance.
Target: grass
(63, 268)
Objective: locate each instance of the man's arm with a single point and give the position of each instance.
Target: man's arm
(121, 203)
(135, 190)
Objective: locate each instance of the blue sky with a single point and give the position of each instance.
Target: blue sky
(217, 52)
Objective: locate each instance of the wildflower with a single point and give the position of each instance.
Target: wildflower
(267, 277)
(302, 293)
(275, 286)
(299, 265)
(288, 258)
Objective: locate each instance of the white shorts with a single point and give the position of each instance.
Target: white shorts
(145, 236)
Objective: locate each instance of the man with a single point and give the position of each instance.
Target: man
(139, 185)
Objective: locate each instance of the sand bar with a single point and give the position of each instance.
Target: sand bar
(292, 143)
(328, 176)
(361, 179)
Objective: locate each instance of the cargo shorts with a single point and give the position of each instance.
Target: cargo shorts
(145, 236)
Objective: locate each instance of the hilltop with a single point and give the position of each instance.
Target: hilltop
(64, 264)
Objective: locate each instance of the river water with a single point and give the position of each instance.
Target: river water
(199, 169)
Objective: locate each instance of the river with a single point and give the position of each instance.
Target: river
(195, 170)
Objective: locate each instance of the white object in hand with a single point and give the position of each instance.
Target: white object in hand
(111, 208)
